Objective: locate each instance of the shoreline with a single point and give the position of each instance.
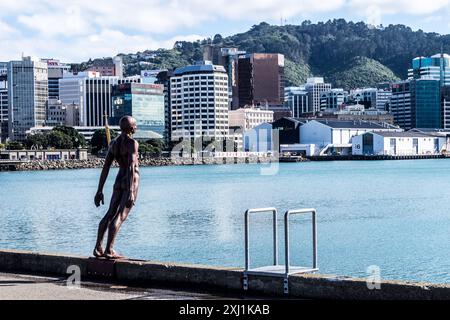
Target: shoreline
(98, 163)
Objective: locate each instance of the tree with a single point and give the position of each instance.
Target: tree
(78, 140)
(2, 146)
(14, 146)
(59, 140)
(39, 141)
(98, 142)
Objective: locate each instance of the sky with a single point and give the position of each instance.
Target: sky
(76, 30)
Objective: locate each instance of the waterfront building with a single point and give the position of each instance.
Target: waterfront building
(3, 102)
(62, 114)
(250, 117)
(144, 102)
(27, 96)
(288, 130)
(436, 67)
(93, 93)
(110, 67)
(199, 101)
(56, 71)
(261, 80)
(334, 99)
(316, 87)
(335, 136)
(260, 139)
(44, 155)
(296, 100)
(398, 144)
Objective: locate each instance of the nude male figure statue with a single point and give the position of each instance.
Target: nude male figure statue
(124, 149)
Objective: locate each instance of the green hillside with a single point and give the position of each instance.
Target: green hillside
(347, 54)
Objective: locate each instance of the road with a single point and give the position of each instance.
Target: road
(24, 287)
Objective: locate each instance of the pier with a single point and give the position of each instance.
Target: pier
(219, 281)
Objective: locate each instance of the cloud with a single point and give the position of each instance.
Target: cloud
(79, 29)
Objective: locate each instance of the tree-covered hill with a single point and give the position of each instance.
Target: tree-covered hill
(347, 54)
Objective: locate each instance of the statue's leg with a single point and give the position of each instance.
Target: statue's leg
(103, 226)
(115, 225)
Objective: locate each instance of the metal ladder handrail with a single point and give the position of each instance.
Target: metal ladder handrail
(287, 216)
(247, 232)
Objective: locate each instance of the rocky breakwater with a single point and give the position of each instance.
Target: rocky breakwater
(96, 163)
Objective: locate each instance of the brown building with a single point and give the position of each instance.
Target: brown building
(260, 81)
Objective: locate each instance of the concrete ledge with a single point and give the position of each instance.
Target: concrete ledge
(143, 273)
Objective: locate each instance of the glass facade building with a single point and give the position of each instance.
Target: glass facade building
(426, 98)
(144, 102)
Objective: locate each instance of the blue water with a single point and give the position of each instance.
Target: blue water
(391, 214)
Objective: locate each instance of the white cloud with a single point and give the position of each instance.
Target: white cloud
(79, 29)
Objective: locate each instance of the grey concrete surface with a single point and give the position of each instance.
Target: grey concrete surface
(26, 287)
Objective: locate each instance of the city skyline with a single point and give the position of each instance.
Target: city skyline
(77, 30)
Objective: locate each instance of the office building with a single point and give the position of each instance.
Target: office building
(445, 107)
(334, 99)
(426, 103)
(144, 102)
(62, 114)
(163, 78)
(296, 99)
(56, 71)
(315, 88)
(110, 67)
(373, 98)
(27, 96)
(93, 93)
(401, 106)
(248, 118)
(436, 67)
(199, 101)
(261, 80)
(3, 102)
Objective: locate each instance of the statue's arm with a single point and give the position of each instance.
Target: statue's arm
(99, 197)
(133, 163)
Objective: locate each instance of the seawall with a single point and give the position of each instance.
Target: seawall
(230, 280)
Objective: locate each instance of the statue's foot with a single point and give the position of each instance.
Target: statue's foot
(113, 256)
(99, 253)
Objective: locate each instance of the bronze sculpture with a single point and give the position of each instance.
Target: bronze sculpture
(124, 150)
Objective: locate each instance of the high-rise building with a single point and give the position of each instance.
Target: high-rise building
(436, 67)
(333, 99)
(93, 93)
(110, 67)
(384, 94)
(426, 103)
(27, 96)
(199, 101)
(373, 98)
(3, 102)
(315, 88)
(56, 71)
(261, 80)
(163, 78)
(144, 102)
(445, 107)
(296, 100)
(400, 106)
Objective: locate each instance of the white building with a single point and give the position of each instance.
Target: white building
(62, 114)
(398, 144)
(260, 139)
(335, 136)
(27, 96)
(315, 88)
(296, 99)
(199, 101)
(93, 93)
(248, 118)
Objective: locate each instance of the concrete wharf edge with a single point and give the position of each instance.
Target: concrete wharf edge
(229, 280)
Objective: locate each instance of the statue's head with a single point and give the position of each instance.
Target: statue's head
(128, 125)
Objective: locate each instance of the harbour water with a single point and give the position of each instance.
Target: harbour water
(390, 214)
